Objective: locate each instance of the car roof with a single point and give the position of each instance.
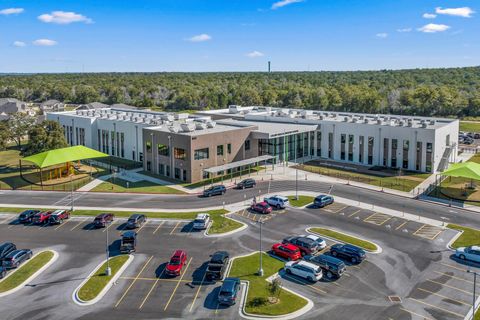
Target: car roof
(248, 179)
(475, 247)
(330, 259)
(229, 283)
(13, 253)
(280, 197)
(323, 195)
(135, 215)
(290, 246)
(352, 247)
(263, 203)
(219, 255)
(202, 216)
(129, 234)
(57, 212)
(6, 244)
(307, 264)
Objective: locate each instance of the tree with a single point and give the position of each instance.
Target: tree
(45, 136)
(4, 136)
(18, 126)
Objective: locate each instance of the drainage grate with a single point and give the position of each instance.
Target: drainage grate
(394, 299)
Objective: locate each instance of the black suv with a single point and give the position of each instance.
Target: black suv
(217, 265)
(136, 220)
(5, 249)
(27, 216)
(215, 191)
(332, 266)
(306, 245)
(349, 252)
(247, 183)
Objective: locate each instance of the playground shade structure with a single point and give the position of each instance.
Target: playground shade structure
(63, 155)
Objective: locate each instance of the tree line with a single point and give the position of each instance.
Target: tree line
(432, 92)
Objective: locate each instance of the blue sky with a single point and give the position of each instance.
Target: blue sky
(237, 35)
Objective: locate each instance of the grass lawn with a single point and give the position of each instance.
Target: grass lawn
(302, 200)
(246, 268)
(403, 183)
(120, 186)
(367, 245)
(469, 126)
(222, 225)
(99, 280)
(25, 271)
(226, 177)
(469, 236)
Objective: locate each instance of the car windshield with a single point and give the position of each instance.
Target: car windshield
(225, 293)
(175, 262)
(199, 221)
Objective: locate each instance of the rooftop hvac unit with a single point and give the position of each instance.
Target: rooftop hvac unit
(234, 108)
(211, 124)
(432, 122)
(125, 117)
(187, 127)
(379, 121)
(365, 120)
(401, 123)
(345, 119)
(320, 117)
(410, 122)
(200, 125)
(173, 129)
(167, 117)
(78, 112)
(179, 116)
(424, 125)
(354, 120)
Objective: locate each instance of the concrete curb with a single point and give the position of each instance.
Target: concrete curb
(244, 314)
(33, 276)
(449, 244)
(226, 216)
(107, 287)
(379, 248)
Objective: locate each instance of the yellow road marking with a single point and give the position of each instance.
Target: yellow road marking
(453, 277)
(454, 267)
(416, 314)
(341, 208)
(444, 310)
(152, 279)
(171, 232)
(133, 282)
(81, 222)
(151, 289)
(198, 291)
(436, 235)
(369, 217)
(385, 221)
(176, 287)
(445, 297)
(415, 233)
(354, 213)
(401, 225)
(161, 224)
(451, 287)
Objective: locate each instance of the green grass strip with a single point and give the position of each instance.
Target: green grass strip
(302, 200)
(25, 271)
(469, 236)
(367, 245)
(99, 280)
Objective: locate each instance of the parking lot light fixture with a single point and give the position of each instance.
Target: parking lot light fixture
(474, 293)
(71, 193)
(260, 269)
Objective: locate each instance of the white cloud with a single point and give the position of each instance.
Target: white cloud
(404, 30)
(9, 11)
(433, 27)
(255, 54)
(382, 35)
(44, 42)
(429, 15)
(200, 38)
(62, 17)
(283, 3)
(19, 44)
(464, 12)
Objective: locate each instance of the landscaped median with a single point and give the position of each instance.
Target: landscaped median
(257, 302)
(467, 237)
(94, 287)
(346, 238)
(301, 201)
(28, 271)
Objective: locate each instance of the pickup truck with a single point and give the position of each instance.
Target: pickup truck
(217, 266)
(128, 242)
(278, 202)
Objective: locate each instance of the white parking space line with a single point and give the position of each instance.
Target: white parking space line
(161, 224)
(436, 307)
(78, 224)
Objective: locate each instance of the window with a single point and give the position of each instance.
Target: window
(149, 166)
(343, 140)
(350, 147)
(179, 154)
(161, 169)
(163, 150)
(118, 143)
(406, 147)
(112, 135)
(429, 156)
(418, 162)
(167, 170)
(394, 153)
(229, 148)
(371, 141)
(177, 173)
(184, 175)
(140, 156)
(385, 151)
(98, 139)
(205, 175)
(319, 143)
(330, 145)
(220, 150)
(200, 154)
(76, 135)
(148, 146)
(247, 145)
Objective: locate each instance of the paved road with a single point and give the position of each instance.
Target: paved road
(425, 209)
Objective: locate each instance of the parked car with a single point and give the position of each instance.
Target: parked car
(468, 140)
(247, 183)
(322, 200)
(128, 243)
(476, 136)
(5, 249)
(41, 217)
(58, 216)
(27, 216)
(15, 258)
(136, 220)
(286, 251)
(175, 265)
(306, 245)
(347, 251)
(304, 269)
(3, 272)
(261, 207)
(217, 265)
(103, 219)
(215, 191)
(279, 202)
(201, 221)
(332, 266)
(322, 244)
(229, 291)
(468, 253)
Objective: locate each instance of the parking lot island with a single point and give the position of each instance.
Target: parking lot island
(346, 238)
(301, 201)
(96, 285)
(18, 278)
(257, 301)
(467, 236)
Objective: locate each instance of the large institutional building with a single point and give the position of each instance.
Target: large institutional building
(186, 147)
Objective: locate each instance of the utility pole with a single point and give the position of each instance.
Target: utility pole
(260, 270)
(108, 271)
(71, 193)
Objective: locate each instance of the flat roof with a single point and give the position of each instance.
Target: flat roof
(176, 128)
(270, 129)
(237, 164)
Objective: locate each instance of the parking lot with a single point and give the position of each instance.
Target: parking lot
(414, 277)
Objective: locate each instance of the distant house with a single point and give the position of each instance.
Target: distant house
(9, 106)
(123, 106)
(92, 106)
(52, 105)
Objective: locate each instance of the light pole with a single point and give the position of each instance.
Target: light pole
(71, 193)
(296, 168)
(260, 270)
(108, 271)
(474, 289)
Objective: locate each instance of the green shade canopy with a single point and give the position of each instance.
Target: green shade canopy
(63, 155)
(469, 170)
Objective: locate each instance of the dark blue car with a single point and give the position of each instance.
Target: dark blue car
(322, 201)
(331, 266)
(229, 291)
(348, 252)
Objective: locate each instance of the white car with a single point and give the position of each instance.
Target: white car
(468, 253)
(304, 269)
(201, 221)
(279, 202)
(322, 244)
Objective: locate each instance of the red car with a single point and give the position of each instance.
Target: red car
(177, 261)
(42, 217)
(58, 216)
(261, 207)
(286, 251)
